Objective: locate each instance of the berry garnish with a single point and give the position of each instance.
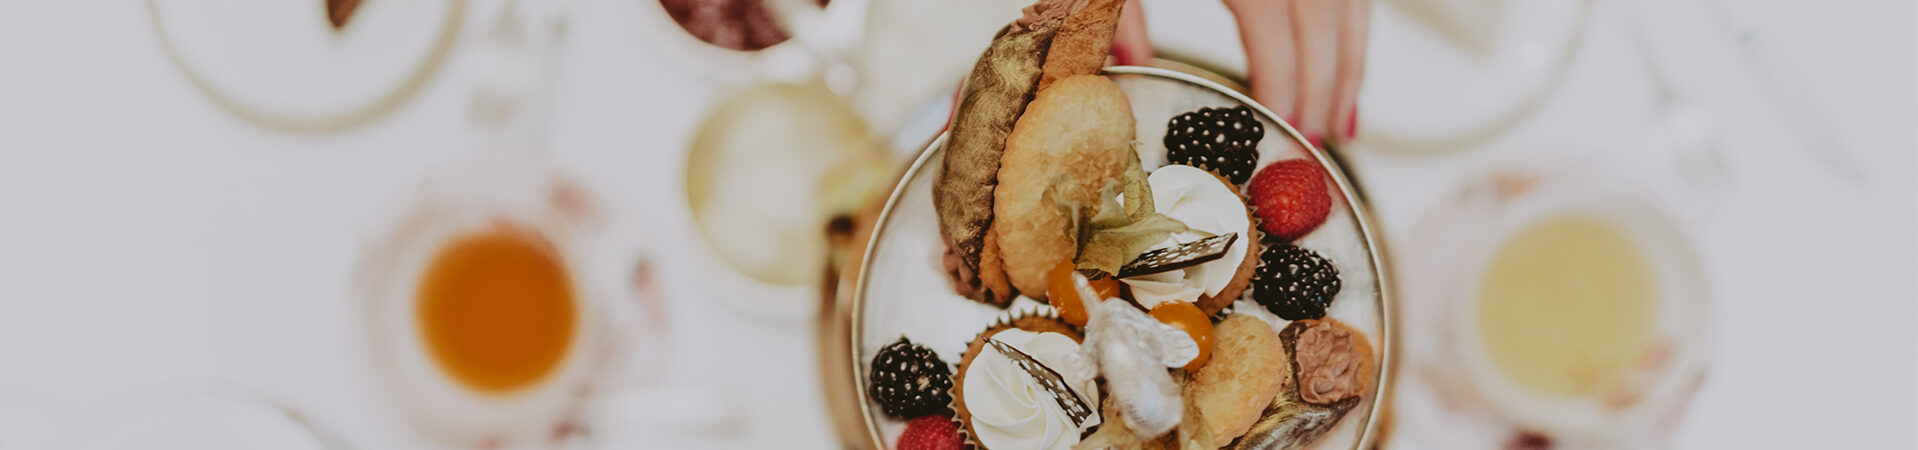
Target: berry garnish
(1289, 198)
(935, 432)
(1065, 298)
(1293, 282)
(908, 380)
(1188, 318)
(1224, 141)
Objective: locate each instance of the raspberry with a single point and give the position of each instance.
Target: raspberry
(1224, 141)
(930, 433)
(1293, 282)
(908, 380)
(1289, 198)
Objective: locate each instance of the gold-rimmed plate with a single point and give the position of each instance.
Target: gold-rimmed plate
(900, 288)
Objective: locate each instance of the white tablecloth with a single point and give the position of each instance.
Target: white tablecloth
(149, 238)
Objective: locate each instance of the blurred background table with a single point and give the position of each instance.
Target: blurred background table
(149, 238)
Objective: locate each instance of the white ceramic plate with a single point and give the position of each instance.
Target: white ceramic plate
(282, 64)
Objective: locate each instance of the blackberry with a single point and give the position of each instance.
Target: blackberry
(1224, 141)
(1293, 282)
(909, 381)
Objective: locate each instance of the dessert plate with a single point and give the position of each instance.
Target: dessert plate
(284, 65)
(901, 288)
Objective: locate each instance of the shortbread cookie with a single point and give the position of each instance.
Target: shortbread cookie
(1078, 131)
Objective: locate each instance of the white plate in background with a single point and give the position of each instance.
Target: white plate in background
(282, 64)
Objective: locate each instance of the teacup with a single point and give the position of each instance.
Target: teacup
(496, 302)
(1575, 306)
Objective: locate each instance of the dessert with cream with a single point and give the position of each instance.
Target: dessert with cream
(1208, 206)
(1331, 367)
(1002, 405)
(1331, 361)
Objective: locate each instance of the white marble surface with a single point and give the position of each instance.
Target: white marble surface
(149, 239)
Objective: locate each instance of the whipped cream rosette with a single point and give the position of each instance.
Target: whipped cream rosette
(1003, 405)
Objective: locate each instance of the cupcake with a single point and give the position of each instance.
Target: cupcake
(1209, 205)
(1002, 406)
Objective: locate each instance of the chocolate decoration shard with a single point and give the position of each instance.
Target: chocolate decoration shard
(1179, 257)
(1069, 400)
(1289, 425)
(338, 11)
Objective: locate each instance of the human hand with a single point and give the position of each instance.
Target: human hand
(1305, 58)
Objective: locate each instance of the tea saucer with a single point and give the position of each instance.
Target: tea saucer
(284, 65)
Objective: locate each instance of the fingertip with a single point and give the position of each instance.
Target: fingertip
(1352, 122)
(1130, 44)
(1125, 55)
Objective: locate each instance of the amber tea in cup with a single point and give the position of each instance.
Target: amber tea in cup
(497, 305)
(496, 310)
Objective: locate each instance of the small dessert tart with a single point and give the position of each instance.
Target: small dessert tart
(1331, 362)
(1332, 367)
(1002, 406)
(1209, 206)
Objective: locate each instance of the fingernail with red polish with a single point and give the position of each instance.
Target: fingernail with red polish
(1315, 139)
(1352, 123)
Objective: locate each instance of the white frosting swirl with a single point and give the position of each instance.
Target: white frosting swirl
(1009, 409)
(1209, 207)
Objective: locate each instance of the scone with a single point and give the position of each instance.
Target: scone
(1001, 406)
(1080, 131)
(1246, 373)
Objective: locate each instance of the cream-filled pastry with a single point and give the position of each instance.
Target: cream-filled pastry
(1209, 206)
(1008, 408)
